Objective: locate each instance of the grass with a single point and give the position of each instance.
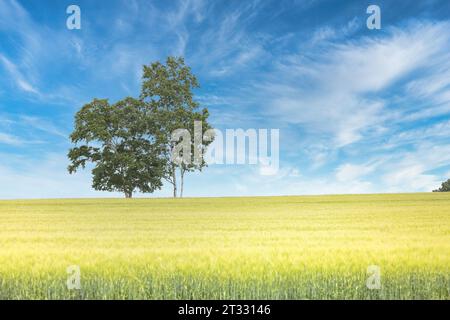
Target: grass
(314, 247)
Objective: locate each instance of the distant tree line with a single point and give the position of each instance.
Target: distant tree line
(445, 187)
(130, 142)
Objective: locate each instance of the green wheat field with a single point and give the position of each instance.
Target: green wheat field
(306, 247)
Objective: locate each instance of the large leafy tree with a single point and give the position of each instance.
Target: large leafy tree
(167, 90)
(445, 187)
(121, 140)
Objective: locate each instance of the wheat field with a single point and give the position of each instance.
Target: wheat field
(309, 247)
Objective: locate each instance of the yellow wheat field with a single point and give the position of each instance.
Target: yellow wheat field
(314, 247)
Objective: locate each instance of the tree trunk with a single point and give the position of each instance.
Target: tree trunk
(128, 194)
(181, 182)
(174, 177)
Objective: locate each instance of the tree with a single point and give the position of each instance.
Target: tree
(196, 127)
(167, 91)
(445, 187)
(121, 140)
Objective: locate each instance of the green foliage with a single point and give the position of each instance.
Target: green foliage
(121, 140)
(445, 187)
(168, 92)
(130, 141)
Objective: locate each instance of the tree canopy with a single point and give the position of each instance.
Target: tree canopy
(121, 141)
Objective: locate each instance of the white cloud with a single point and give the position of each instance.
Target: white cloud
(46, 177)
(246, 181)
(10, 139)
(43, 125)
(350, 172)
(412, 177)
(411, 170)
(435, 131)
(329, 33)
(226, 47)
(22, 130)
(331, 92)
(17, 76)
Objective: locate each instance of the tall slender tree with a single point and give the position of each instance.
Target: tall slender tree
(167, 90)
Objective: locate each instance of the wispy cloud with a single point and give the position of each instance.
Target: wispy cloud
(17, 76)
(10, 139)
(43, 125)
(351, 172)
(334, 92)
(24, 130)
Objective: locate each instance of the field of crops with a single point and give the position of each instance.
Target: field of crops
(315, 247)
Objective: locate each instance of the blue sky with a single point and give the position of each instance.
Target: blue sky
(359, 110)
